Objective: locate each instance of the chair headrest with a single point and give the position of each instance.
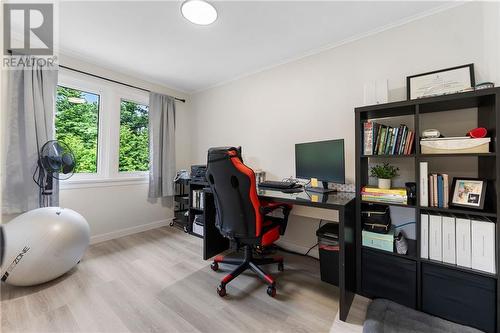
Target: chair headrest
(220, 153)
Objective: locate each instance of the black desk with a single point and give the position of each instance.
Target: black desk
(343, 202)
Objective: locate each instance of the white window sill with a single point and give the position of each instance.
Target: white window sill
(103, 182)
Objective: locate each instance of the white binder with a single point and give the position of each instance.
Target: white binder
(435, 238)
(424, 236)
(483, 245)
(424, 184)
(449, 239)
(463, 236)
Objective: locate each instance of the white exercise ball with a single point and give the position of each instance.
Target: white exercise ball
(43, 244)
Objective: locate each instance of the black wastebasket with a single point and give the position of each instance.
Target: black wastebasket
(328, 243)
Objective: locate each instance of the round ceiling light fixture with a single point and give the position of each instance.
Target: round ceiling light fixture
(199, 12)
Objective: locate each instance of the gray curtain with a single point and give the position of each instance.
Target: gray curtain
(161, 145)
(30, 108)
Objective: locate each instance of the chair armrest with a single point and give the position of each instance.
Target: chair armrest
(268, 207)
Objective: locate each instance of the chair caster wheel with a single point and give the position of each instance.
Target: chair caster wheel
(281, 267)
(214, 266)
(221, 291)
(186, 229)
(171, 224)
(271, 291)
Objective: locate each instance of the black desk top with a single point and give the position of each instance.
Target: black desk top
(333, 200)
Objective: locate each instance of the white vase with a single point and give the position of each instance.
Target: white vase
(384, 183)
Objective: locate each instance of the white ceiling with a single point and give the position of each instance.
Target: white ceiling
(152, 41)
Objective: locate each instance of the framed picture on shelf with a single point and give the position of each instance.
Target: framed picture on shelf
(441, 82)
(468, 192)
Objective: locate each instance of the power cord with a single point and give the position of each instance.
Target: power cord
(296, 180)
(293, 252)
(312, 247)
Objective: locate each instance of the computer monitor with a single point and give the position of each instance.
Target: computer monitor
(323, 160)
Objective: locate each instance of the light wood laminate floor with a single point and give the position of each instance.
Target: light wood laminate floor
(156, 281)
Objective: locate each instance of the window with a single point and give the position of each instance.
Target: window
(134, 137)
(77, 123)
(106, 126)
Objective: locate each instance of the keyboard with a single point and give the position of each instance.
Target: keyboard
(279, 185)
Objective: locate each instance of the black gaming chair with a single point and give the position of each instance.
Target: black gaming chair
(241, 217)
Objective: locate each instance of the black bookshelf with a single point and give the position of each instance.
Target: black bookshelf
(485, 108)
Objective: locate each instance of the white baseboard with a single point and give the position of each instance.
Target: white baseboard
(129, 231)
(297, 248)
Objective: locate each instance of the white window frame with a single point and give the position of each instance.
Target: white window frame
(108, 137)
(82, 85)
(139, 99)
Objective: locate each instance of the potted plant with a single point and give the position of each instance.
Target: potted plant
(384, 172)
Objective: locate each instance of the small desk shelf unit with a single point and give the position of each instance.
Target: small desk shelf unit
(456, 293)
(181, 204)
(196, 205)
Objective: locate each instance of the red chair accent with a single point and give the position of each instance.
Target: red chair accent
(242, 217)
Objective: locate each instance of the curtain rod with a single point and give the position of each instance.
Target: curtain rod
(107, 79)
(114, 81)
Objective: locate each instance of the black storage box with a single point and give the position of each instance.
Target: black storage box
(387, 276)
(462, 297)
(376, 218)
(328, 243)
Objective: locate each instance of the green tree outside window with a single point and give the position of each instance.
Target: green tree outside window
(134, 137)
(77, 117)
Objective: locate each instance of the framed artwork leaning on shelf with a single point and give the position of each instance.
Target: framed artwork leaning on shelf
(441, 82)
(468, 192)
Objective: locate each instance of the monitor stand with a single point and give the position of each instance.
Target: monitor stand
(323, 189)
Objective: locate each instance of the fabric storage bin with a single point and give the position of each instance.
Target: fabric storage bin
(390, 277)
(462, 297)
(328, 243)
(376, 218)
(379, 241)
(455, 146)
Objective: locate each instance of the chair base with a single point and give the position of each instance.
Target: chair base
(247, 262)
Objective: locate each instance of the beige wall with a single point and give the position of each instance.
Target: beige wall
(305, 100)
(314, 98)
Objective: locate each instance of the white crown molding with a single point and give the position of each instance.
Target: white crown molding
(331, 46)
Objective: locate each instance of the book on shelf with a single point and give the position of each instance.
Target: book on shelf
(446, 190)
(434, 188)
(381, 146)
(439, 190)
(380, 139)
(392, 141)
(409, 144)
(368, 138)
(398, 140)
(373, 189)
(198, 199)
(389, 138)
(375, 194)
(424, 184)
(377, 137)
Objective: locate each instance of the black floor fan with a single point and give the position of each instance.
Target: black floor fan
(55, 161)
